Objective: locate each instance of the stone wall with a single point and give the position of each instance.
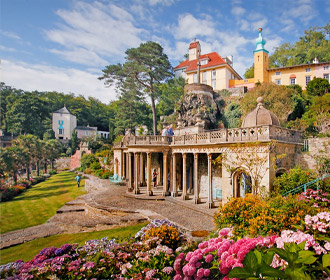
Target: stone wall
(63, 163)
(317, 146)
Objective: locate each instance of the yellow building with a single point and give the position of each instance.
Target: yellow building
(289, 75)
(210, 68)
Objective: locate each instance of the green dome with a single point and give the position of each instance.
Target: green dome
(260, 42)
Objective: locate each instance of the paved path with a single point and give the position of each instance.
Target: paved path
(107, 205)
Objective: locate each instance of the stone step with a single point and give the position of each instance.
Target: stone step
(71, 208)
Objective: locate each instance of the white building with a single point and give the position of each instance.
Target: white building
(63, 124)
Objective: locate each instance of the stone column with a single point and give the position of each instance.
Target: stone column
(130, 173)
(122, 164)
(196, 190)
(136, 167)
(141, 170)
(165, 190)
(210, 198)
(149, 174)
(174, 189)
(184, 177)
(127, 165)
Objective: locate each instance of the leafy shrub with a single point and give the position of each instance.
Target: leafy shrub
(169, 235)
(7, 193)
(52, 172)
(118, 138)
(253, 216)
(88, 171)
(293, 178)
(87, 160)
(98, 172)
(95, 165)
(103, 153)
(105, 175)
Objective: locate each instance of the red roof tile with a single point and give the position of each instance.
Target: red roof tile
(193, 45)
(214, 60)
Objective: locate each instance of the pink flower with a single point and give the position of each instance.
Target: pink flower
(177, 277)
(209, 258)
(207, 272)
(200, 273)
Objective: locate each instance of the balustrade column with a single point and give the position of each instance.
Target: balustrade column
(174, 187)
(184, 177)
(149, 191)
(210, 197)
(130, 173)
(165, 190)
(122, 164)
(136, 167)
(196, 190)
(141, 170)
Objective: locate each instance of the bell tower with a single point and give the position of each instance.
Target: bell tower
(261, 62)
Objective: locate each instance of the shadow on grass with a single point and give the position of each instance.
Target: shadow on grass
(34, 197)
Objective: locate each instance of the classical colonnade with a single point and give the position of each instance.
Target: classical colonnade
(133, 168)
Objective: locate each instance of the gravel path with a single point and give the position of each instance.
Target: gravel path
(107, 205)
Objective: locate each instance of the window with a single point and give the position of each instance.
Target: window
(308, 69)
(292, 81)
(195, 78)
(214, 74)
(61, 131)
(278, 73)
(326, 67)
(204, 77)
(87, 133)
(278, 82)
(326, 76)
(308, 78)
(214, 84)
(204, 62)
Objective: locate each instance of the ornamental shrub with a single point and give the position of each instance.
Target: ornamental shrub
(95, 166)
(293, 178)
(253, 216)
(169, 235)
(87, 160)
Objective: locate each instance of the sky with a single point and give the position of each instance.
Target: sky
(63, 45)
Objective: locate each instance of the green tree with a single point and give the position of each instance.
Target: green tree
(27, 114)
(74, 142)
(232, 115)
(169, 95)
(318, 87)
(249, 72)
(29, 144)
(277, 99)
(146, 66)
(12, 159)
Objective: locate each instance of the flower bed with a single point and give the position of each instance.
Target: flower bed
(8, 191)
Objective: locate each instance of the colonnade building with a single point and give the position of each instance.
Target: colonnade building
(208, 166)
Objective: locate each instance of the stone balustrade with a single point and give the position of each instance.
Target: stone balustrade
(231, 135)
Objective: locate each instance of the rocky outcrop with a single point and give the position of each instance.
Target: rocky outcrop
(199, 106)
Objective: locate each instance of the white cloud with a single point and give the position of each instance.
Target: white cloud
(49, 78)
(11, 35)
(79, 54)
(237, 11)
(189, 27)
(161, 2)
(6, 49)
(101, 30)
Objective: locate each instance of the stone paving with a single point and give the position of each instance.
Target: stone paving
(107, 205)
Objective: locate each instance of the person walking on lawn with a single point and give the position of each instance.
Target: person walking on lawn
(78, 178)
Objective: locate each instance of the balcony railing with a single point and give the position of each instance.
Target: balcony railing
(232, 135)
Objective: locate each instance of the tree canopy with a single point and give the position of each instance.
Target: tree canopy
(145, 67)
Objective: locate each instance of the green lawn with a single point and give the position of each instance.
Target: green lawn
(36, 205)
(27, 251)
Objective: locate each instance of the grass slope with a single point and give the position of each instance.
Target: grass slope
(27, 251)
(36, 205)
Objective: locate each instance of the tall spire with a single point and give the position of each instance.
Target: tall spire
(260, 43)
